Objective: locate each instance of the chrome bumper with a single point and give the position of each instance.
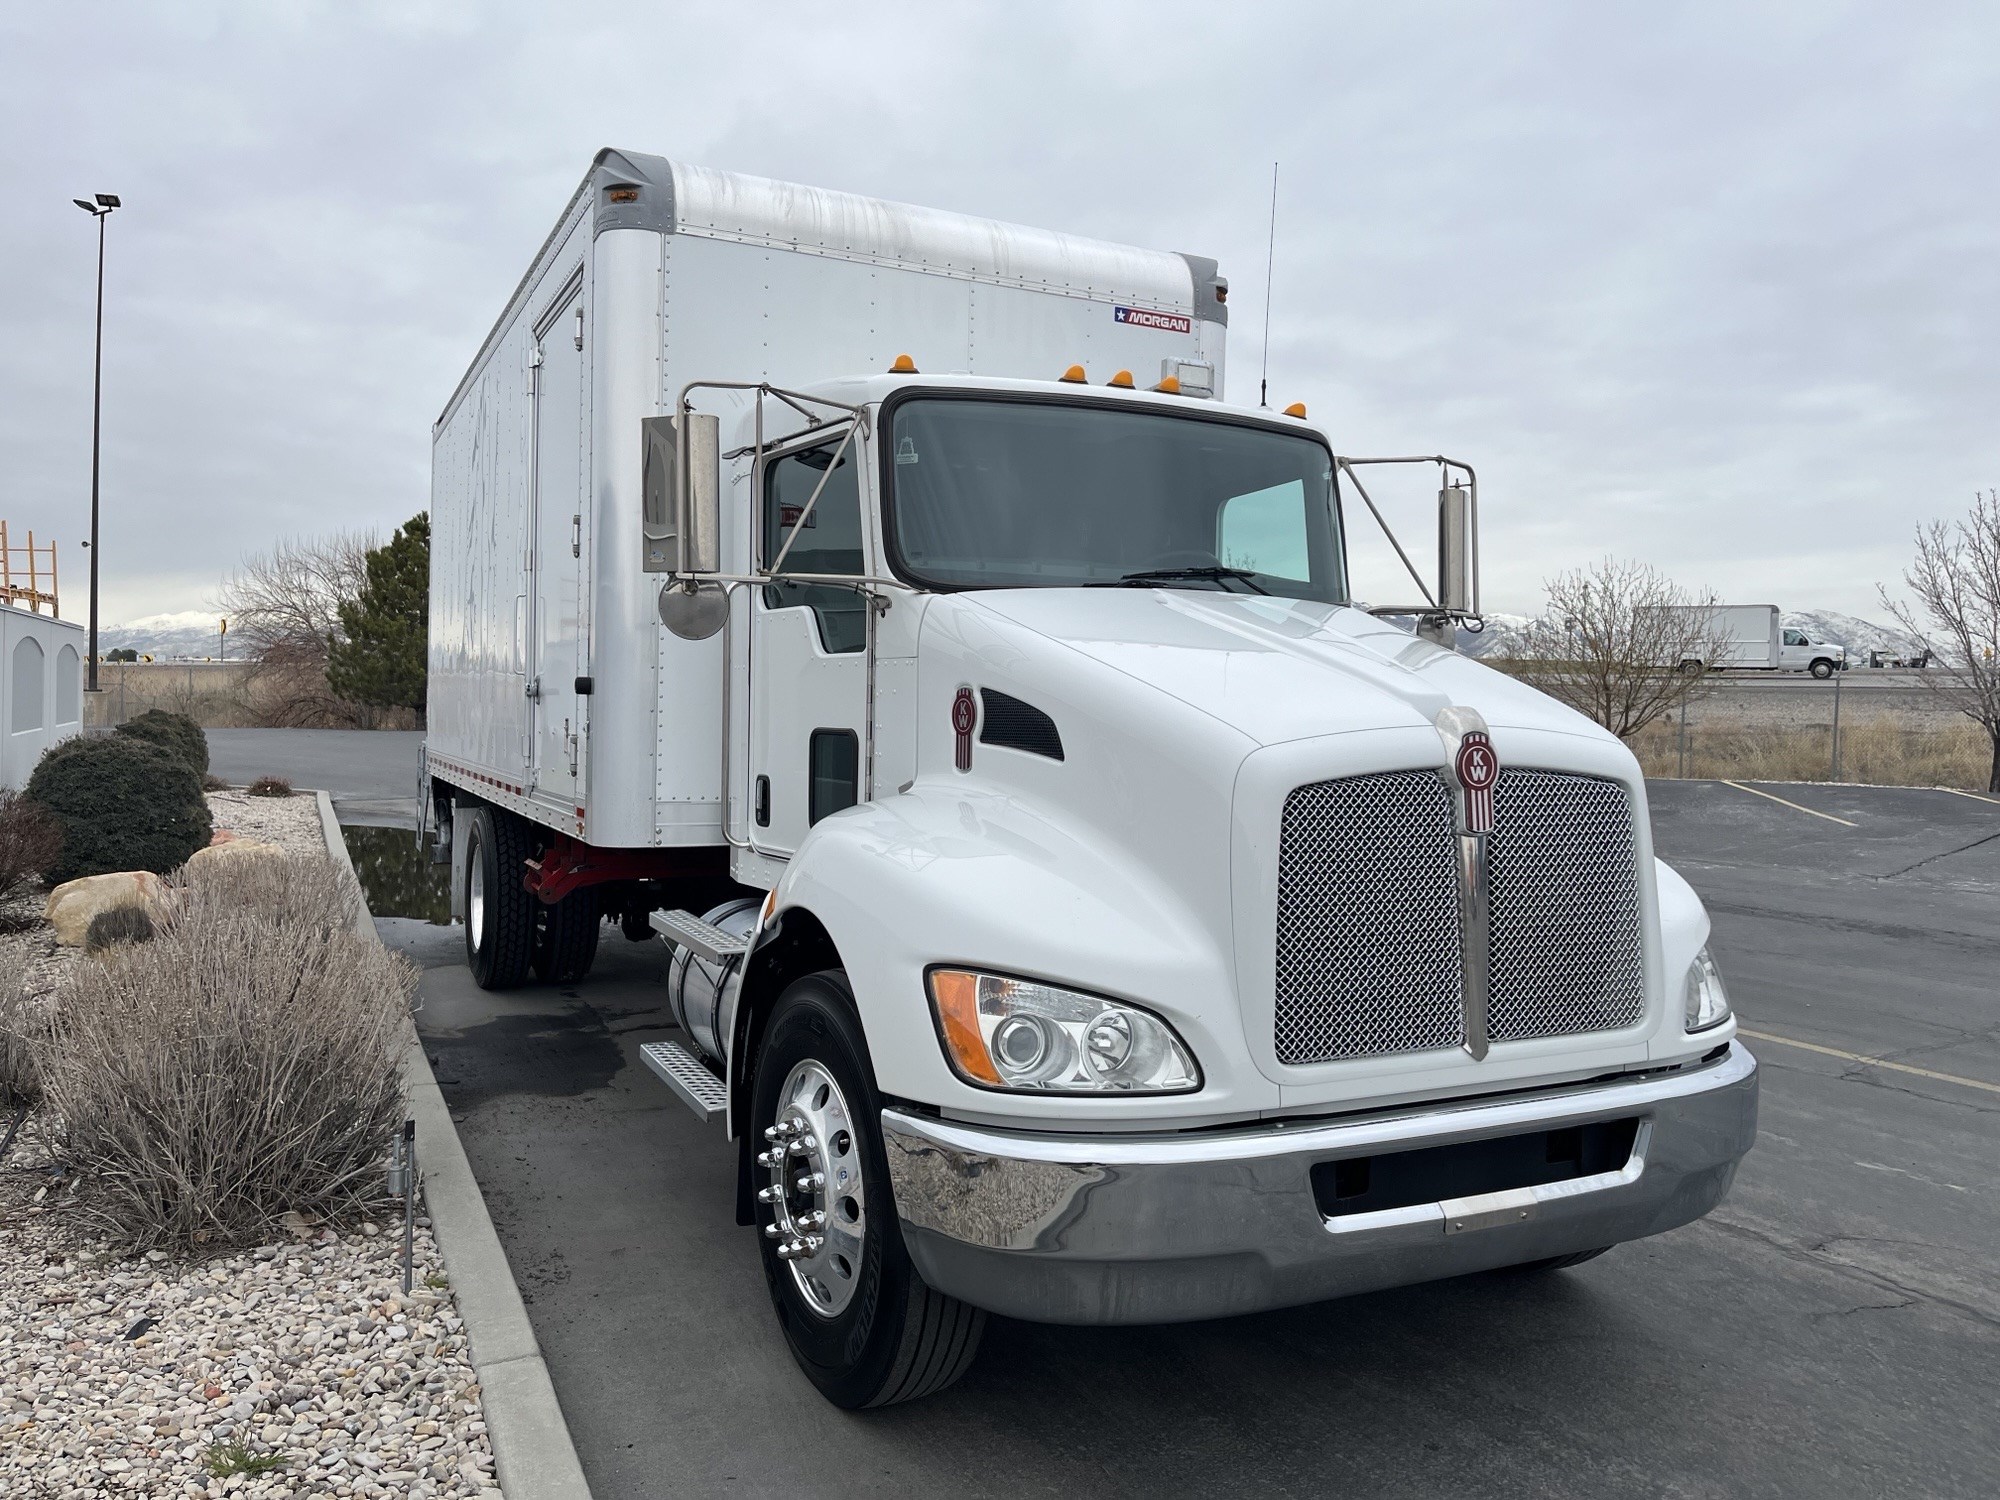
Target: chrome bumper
(1163, 1229)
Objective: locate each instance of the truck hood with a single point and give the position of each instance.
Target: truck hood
(1277, 669)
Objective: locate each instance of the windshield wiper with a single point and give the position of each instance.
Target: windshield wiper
(1146, 577)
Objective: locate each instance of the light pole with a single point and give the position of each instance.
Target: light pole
(100, 211)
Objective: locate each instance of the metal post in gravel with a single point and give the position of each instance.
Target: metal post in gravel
(1836, 724)
(409, 1202)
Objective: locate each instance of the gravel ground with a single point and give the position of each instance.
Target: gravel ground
(298, 1368)
(292, 823)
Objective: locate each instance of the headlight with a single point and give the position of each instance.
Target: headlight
(1707, 1000)
(1016, 1034)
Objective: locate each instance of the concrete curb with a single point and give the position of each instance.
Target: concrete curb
(532, 1451)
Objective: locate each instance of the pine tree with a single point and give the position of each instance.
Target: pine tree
(385, 656)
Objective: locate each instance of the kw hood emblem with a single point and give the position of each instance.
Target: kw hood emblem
(1473, 768)
(1476, 768)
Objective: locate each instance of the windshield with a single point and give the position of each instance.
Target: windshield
(1034, 494)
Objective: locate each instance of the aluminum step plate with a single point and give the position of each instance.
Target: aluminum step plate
(684, 1073)
(685, 930)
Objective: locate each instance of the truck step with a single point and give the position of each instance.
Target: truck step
(689, 1078)
(685, 930)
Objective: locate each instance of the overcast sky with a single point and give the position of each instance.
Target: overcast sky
(1712, 285)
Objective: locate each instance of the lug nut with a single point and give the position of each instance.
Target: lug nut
(814, 1220)
(770, 1158)
(770, 1194)
(804, 1143)
(772, 1231)
(811, 1182)
(772, 1132)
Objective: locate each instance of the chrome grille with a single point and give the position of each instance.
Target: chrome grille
(1368, 929)
(1565, 954)
(1368, 951)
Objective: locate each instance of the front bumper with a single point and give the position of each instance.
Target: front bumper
(1206, 1224)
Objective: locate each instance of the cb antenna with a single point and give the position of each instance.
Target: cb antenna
(1270, 260)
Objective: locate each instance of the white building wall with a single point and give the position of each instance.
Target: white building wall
(41, 689)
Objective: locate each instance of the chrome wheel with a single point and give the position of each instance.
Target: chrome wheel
(818, 1202)
(475, 895)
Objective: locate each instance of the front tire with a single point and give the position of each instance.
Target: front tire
(1822, 669)
(862, 1324)
(499, 912)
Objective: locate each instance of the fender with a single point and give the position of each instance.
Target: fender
(968, 874)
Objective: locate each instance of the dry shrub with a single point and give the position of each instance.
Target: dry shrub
(24, 1027)
(1878, 752)
(30, 840)
(242, 1064)
(269, 786)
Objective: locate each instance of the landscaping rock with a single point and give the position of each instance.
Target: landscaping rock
(234, 851)
(73, 904)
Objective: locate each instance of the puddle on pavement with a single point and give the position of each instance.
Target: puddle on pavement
(397, 875)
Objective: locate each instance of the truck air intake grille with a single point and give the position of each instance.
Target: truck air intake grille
(1565, 871)
(1368, 956)
(1018, 726)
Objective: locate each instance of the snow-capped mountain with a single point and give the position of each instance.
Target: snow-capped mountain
(189, 634)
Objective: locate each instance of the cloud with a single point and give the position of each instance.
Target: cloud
(1715, 286)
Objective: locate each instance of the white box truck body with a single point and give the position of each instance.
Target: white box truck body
(1077, 908)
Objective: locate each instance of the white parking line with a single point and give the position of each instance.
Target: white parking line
(1975, 796)
(1793, 805)
(1873, 1062)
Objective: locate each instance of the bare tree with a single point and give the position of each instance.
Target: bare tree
(288, 600)
(1955, 581)
(1620, 642)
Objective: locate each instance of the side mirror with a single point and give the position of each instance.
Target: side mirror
(1458, 550)
(682, 495)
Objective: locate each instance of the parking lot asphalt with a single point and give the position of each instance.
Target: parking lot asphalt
(1833, 1329)
(370, 773)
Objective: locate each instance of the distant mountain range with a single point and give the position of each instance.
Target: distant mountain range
(1503, 634)
(190, 635)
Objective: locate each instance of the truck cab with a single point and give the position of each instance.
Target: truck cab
(1799, 653)
(1076, 905)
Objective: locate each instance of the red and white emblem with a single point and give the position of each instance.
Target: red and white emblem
(964, 715)
(1477, 768)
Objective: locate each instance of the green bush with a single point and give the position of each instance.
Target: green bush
(123, 803)
(171, 731)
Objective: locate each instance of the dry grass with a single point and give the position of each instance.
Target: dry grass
(1878, 752)
(24, 1024)
(242, 1063)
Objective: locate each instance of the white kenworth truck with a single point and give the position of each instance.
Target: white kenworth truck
(1077, 906)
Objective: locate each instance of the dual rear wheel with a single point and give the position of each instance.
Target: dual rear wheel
(508, 932)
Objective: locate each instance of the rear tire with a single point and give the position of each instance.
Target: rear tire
(566, 937)
(499, 912)
(876, 1334)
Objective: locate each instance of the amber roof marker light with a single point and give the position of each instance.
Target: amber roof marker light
(1123, 380)
(1073, 376)
(903, 365)
(1296, 409)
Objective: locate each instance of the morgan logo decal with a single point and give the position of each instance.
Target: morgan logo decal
(964, 714)
(1139, 317)
(1477, 768)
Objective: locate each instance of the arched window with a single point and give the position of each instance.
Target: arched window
(69, 686)
(28, 684)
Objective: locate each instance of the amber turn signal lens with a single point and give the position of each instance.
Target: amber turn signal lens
(956, 995)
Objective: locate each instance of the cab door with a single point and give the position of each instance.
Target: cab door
(809, 644)
(555, 550)
(1795, 651)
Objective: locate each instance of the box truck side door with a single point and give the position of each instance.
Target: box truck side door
(808, 662)
(555, 549)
